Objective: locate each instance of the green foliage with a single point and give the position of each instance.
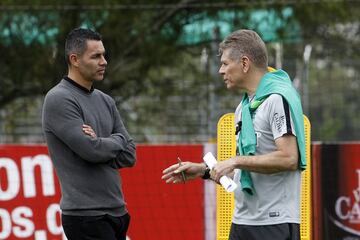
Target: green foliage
(134, 45)
(149, 64)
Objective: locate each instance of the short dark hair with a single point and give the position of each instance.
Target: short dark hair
(248, 43)
(76, 41)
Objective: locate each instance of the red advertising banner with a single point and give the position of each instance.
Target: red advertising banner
(30, 193)
(163, 211)
(339, 195)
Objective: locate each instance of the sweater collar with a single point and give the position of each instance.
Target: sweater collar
(78, 85)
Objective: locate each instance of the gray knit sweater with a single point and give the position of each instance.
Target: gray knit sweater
(87, 167)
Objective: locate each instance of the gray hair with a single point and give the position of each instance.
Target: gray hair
(248, 43)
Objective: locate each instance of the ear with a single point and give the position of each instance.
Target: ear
(245, 63)
(74, 59)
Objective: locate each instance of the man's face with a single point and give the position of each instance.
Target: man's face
(231, 71)
(92, 62)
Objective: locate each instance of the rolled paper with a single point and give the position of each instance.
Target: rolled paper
(225, 181)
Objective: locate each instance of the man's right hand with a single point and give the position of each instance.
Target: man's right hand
(192, 170)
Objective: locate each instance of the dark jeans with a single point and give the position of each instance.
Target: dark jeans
(285, 231)
(104, 227)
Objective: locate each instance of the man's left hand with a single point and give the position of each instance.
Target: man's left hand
(222, 168)
(89, 131)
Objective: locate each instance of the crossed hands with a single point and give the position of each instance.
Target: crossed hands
(89, 131)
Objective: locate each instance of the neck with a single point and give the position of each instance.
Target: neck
(74, 75)
(254, 80)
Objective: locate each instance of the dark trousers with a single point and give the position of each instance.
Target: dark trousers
(104, 227)
(285, 231)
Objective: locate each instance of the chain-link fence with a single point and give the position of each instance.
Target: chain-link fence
(329, 85)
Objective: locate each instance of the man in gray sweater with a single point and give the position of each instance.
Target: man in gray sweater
(87, 143)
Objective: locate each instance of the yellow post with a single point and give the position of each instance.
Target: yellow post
(226, 148)
(306, 206)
